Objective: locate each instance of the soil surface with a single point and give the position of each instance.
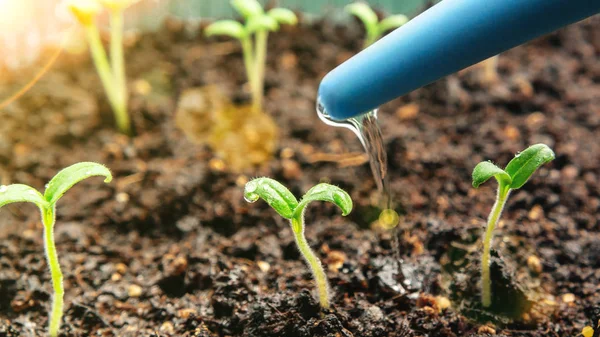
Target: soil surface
(170, 247)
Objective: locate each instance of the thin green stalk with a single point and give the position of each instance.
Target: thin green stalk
(48, 219)
(117, 60)
(312, 260)
(106, 76)
(262, 37)
(249, 62)
(486, 293)
(372, 36)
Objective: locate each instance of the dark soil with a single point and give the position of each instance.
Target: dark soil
(170, 247)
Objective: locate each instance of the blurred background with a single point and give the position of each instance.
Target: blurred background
(26, 26)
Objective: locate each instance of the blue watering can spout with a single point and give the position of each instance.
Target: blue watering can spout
(448, 37)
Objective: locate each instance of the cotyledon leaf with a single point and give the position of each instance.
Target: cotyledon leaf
(524, 164)
(326, 192)
(274, 193)
(21, 193)
(70, 176)
(485, 170)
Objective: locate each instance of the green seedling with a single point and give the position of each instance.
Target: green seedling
(253, 36)
(373, 26)
(112, 74)
(55, 189)
(284, 203)
(513, 177)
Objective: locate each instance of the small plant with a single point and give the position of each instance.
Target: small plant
(253, 37)
(284, 203)
(513, 177)
(373, 26)
(55, 189)
(111, 74)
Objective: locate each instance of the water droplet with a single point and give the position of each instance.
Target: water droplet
(46, 186)
(3, 188)
(88, 172)
(251, 187)
(251, 197)
(31, 192)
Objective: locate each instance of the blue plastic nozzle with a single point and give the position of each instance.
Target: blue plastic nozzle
(448, 37)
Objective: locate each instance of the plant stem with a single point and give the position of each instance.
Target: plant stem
(48, 219)
(312, 260)
(117, 60)
(249, 61)
(372, 35)
(486, 286)
(106, 75)
(260, 64)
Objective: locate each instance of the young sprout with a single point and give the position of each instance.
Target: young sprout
(373, 26)
(253, 36)
(111, 74)
(513, 177)
(55, 189)
(284, 203)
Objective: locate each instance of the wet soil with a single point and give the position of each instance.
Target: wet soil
(170, 247)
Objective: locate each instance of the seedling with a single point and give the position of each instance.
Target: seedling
(253, 36)
(284, 203)
(55, 189)
(373, 26)
(111, 74)
(513, 177)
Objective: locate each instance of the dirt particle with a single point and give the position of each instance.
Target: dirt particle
(115, 277)
(263, 266)
(534, 264)
(122, 197)
(216, 165)
(167, 327)
(568, 298)
(485, 329)
(408, 112)
(536, 213)
(241, 180)
(512, 132)
(291, 169)
(186, 313)
(134, 290)
(287, 153)
(442, 302)
(335, 260)
(121, 268)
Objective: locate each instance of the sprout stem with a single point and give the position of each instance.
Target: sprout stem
(486, 292)
(312, 260)
(117, 60)
(261, 60)
(249, 61)
(48, 219)
(106, 76)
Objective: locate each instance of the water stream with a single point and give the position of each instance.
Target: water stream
(367, 129)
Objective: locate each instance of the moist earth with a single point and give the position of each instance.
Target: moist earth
(170, 247)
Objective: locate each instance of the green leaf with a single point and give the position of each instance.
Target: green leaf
(226, 27)
(274, 193)
(364, 13)
(247, 8)
(283, 16)
(485, 170)
(70, 176)
(326, 192)
(524, 164)
(21, 193)
(392, 22)
(262, 23)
